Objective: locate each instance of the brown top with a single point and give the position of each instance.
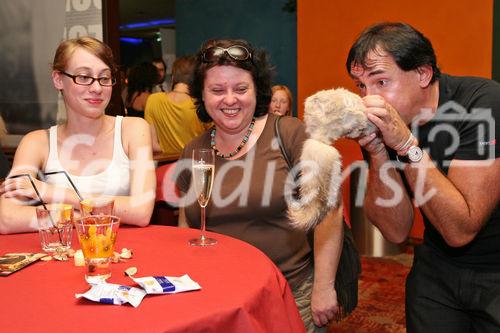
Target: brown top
(248, 199)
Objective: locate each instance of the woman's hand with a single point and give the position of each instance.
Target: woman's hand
(324, 305)
(21, 188)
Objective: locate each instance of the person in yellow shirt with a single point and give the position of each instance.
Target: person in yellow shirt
(172, 115)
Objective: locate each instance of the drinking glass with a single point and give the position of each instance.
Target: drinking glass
(55, 226)
(203, 168)
(97, 237)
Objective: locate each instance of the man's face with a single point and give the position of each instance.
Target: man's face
(161, 71)
(382, 76)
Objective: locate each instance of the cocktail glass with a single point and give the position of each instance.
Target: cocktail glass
(97, 237)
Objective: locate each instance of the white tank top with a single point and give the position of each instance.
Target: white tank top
(114, 180)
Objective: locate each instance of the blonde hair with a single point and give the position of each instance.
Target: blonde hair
(288, 94)
(66, 49)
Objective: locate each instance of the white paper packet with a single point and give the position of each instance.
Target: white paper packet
(166, 284)
(110, 293)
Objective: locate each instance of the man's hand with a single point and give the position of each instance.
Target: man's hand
(393, 130)
(372, 143)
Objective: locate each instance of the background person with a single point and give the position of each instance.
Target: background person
(103, 155)
(140, 83)
(453, 284)
(161, 67)
(172, 115)
(124, 72)
(281, 101)
(232, 88)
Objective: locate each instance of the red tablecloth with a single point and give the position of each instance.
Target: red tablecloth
(242, 290)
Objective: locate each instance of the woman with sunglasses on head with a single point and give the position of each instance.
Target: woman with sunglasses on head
(103, 155)
(232, 88)
(281, 101)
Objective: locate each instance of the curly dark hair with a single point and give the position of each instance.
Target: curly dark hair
(408, 47)
(257, 64)
(142, 78)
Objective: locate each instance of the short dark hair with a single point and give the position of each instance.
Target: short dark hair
(408, 47)
(159, 60)
(258, 65)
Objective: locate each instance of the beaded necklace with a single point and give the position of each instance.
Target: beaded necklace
(240, 146)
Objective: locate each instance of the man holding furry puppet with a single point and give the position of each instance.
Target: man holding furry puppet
(435, 147)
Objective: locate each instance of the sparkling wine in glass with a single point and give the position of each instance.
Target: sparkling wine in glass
(203, 168)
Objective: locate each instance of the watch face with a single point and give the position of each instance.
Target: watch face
(415, 154)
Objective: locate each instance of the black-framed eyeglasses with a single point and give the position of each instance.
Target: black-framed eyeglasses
(85, 80)
(236, 52)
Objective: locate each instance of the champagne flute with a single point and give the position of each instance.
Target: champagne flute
(203, 178)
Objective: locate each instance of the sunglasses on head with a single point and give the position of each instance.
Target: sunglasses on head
(235, 52)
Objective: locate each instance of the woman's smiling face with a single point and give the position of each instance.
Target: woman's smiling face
(230, 98)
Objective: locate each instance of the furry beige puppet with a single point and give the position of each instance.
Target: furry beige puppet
(328, 115)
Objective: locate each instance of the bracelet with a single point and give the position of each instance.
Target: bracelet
(404, 148)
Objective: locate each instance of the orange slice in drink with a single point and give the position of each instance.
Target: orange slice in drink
(67, 212)
(86, 205)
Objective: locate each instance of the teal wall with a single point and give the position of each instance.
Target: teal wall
(264, 23)
(496, 41)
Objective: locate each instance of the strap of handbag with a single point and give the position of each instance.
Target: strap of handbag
(280, 142)
(349, 267)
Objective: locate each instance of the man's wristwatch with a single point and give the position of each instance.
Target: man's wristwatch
(413, 155)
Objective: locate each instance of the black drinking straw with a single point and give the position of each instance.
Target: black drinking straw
(40, 199)
(68, 178)
(32, 184)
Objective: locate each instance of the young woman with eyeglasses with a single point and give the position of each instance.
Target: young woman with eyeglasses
(103, 155)
(232, 86)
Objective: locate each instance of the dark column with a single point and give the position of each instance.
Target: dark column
(496, 41)
(111, 35)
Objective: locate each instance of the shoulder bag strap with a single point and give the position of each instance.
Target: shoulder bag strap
(280, 142)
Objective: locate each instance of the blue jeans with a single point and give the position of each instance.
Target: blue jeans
(442, 297)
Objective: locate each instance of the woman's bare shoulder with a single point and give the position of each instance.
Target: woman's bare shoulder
(134, 124)
(33, 148)
(135, 133)
(39, 138)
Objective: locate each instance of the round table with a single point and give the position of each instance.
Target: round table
(242, 290)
